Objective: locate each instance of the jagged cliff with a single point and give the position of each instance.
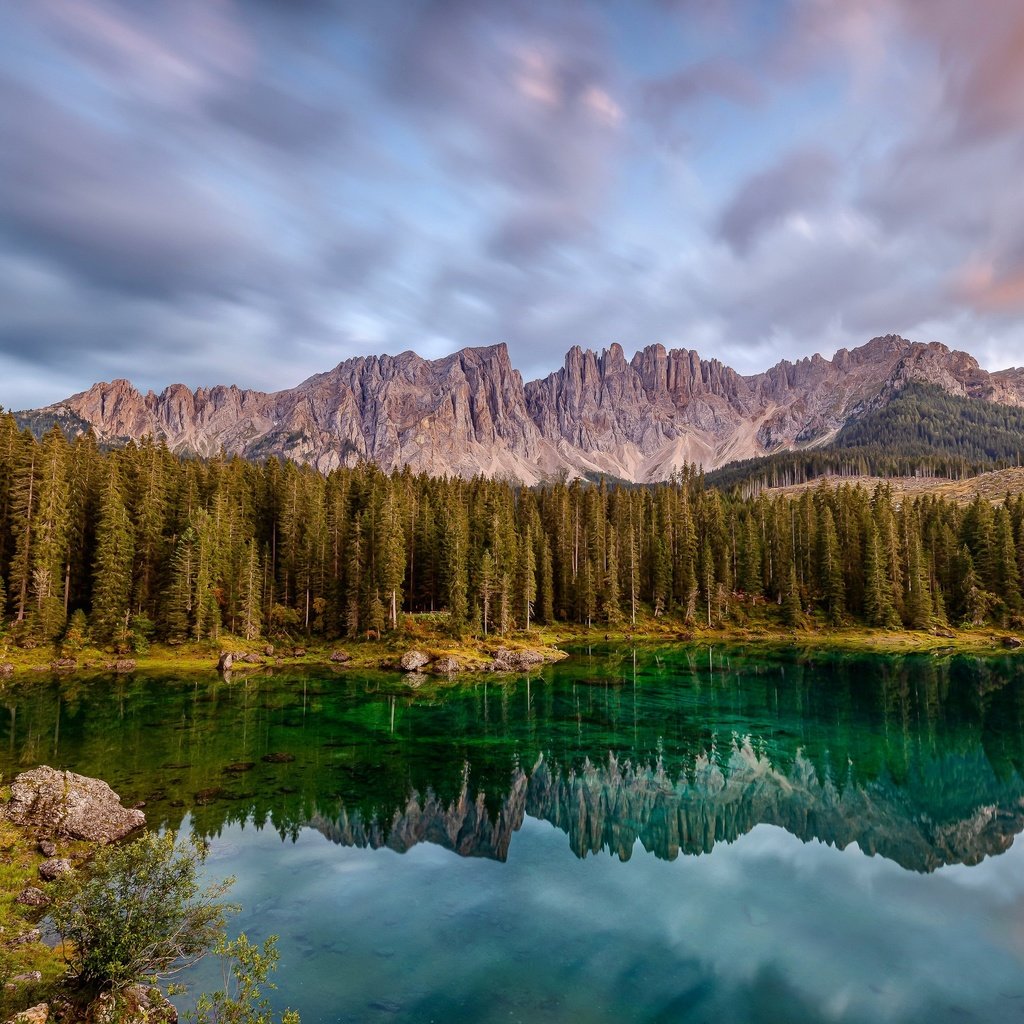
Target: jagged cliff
(471, 413)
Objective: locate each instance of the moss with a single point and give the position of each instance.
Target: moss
(19, 863)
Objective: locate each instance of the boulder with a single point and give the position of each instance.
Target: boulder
(65, 805)
(47, 847)
(412, 661)
(32, 935)
(225, 661)
(31, 896)
(6, 669)
(38, 1014)
(136, 1004)
(269, 650)
(340, 657)
(64, 664)
(124, 665)
(447, 665)
(299, 652)
(515, 661)
(1012, 642)
(53, 867)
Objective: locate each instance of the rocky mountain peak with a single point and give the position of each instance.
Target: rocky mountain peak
(470, 412)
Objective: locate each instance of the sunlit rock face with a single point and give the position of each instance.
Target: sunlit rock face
(470, 413)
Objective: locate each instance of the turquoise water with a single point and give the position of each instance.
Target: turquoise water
(628, 836)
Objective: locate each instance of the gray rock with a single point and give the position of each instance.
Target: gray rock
(136, 1004)
(32, 935)
(64, 665)
(38, 1014)
(47, 848)
(50, 870)
(26, 978)
(412, 661)
(225, 661)
(340, 656)
(31, 896)
(516, 661)
(124, 665)
(6, 669)
(447, 665)
(70, 806)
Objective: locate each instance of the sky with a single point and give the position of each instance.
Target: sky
(251, 191)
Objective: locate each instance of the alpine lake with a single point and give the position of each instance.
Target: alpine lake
(649, 834)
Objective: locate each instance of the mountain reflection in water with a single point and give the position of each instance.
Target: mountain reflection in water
(913, 758)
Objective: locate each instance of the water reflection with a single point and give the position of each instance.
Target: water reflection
(916, 759)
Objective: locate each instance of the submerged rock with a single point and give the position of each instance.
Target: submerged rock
(278, 758)
(66, 805)
(412, 661)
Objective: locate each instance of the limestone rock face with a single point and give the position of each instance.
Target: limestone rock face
(470, 413)
(70, 806)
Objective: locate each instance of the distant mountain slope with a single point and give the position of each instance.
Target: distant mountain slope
(470, 413)
(921, 429)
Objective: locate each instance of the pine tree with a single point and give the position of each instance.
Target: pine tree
(878, 606)
(486, 587)
(547, 591)
(251, 595)
(113, 565)
(50, 558)
(526, 578)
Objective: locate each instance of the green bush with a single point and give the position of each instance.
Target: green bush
(242, 1001)
(138, 912)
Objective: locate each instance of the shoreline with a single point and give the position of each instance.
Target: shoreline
(541, 646)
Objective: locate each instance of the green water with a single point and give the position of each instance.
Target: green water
(627, 836)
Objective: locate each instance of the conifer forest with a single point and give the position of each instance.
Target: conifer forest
(137, 543)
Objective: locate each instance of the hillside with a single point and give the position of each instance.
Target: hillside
(921, 431)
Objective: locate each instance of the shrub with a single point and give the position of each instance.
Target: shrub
(138, 912)
(241, 1001)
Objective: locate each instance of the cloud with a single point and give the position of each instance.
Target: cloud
(800, 182)
(215, 190)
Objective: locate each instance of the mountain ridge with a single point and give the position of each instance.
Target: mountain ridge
(471, 413)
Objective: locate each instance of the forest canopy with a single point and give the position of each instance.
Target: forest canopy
(137, 543)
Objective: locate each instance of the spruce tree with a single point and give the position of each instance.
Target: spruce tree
(113, 566)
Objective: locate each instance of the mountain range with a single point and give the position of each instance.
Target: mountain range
(471, 412)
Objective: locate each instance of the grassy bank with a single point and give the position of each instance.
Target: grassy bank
(29, 969)
(428, 634)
